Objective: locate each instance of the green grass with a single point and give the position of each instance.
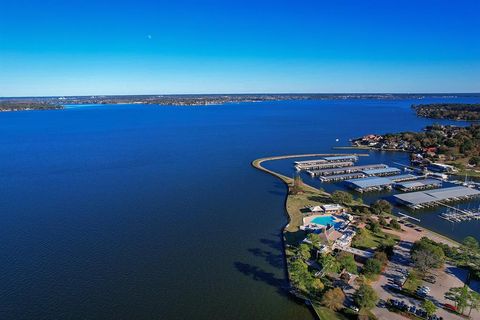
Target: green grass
(327, 314)
(371, 240)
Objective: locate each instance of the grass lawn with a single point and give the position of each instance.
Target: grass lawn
(370, 240)
(327, 314)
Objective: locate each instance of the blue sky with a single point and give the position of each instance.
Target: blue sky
(160, 47)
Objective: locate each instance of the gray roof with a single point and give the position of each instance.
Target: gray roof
(423, 197)
(420, 183)
(380, 171)
(369, 182)
(336, 158)
(403, 177)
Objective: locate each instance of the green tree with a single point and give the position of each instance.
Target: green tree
(317, 286)
(394, 224)
(427, 255)
(365, 297)
(342, 197)
(375, 227)
(460, 296)
(429, 307)
(347, 262)
(299, 274)
(304, 251)
(382, 221)
(329, 263)
(474, 301)
(381, 207)
(334, 299)
(372, 267)
(470, 243)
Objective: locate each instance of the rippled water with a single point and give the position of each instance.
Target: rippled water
(141, 212)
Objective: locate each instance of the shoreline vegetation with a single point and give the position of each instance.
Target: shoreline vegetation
(451, 111)
(449, 145)
(372, 235)
(47, 103)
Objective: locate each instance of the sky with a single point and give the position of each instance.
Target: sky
(94, 47)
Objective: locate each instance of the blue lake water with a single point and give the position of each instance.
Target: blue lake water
(141, 212)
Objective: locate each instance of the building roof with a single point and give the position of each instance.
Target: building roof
(370, 182)
(353, 168)
(403, 177)
(424, 197)
(381, 171)
(419, 183)
(332, 207)
(336, 158)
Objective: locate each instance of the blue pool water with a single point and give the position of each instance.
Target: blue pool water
(326, 220)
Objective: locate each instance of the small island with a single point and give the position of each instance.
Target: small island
(452, 111)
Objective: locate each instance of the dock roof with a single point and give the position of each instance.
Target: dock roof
(424, 197)
(403, 177)
(381, 171)
(370, 182)
(419, 183)
(337, 158)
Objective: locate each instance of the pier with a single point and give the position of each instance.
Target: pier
(344, 170)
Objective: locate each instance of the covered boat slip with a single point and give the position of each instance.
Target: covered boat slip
(421, 199)
(370, 184)
(418, 185)
(344, 170)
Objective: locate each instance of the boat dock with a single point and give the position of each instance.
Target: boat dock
(323, 165)
(341, 177)
(345, 170)
(459, 215)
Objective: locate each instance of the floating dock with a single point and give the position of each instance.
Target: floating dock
(381, 172)
(431, 198)
(370, 184)
(341, 177)
(323, 165)
(416, 185)
(344, 170)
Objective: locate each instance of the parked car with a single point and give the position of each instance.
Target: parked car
(450, 307)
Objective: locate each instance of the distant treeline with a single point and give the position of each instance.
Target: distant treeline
(27, 105)
(453, 111)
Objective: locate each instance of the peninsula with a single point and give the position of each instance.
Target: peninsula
(349, 260)
(452, 111)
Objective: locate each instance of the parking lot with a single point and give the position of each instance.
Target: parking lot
(445, 278)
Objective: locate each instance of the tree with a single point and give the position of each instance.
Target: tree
(372, 267)
(394, 224)
(334, 299)
(375, 227)
(329, 263)
(381, 206)
(299, 274)
(347, 262)
(382, 221)
(470, 243)
(460, 296)
(427, 255)
(429, 307)
(315, 239)
(474, 301)
(317, 286)
(342, 197)
(365, 297)
(381, 256)
(304, 251)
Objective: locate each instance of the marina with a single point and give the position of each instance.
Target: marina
(432, 198)
(370, 184)
(416, 185)
(344, 170)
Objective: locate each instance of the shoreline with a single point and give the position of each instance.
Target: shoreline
(257, 164)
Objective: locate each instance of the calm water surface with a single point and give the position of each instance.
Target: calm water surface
(144, 212)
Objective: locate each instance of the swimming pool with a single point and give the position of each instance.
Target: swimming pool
(326, 220)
